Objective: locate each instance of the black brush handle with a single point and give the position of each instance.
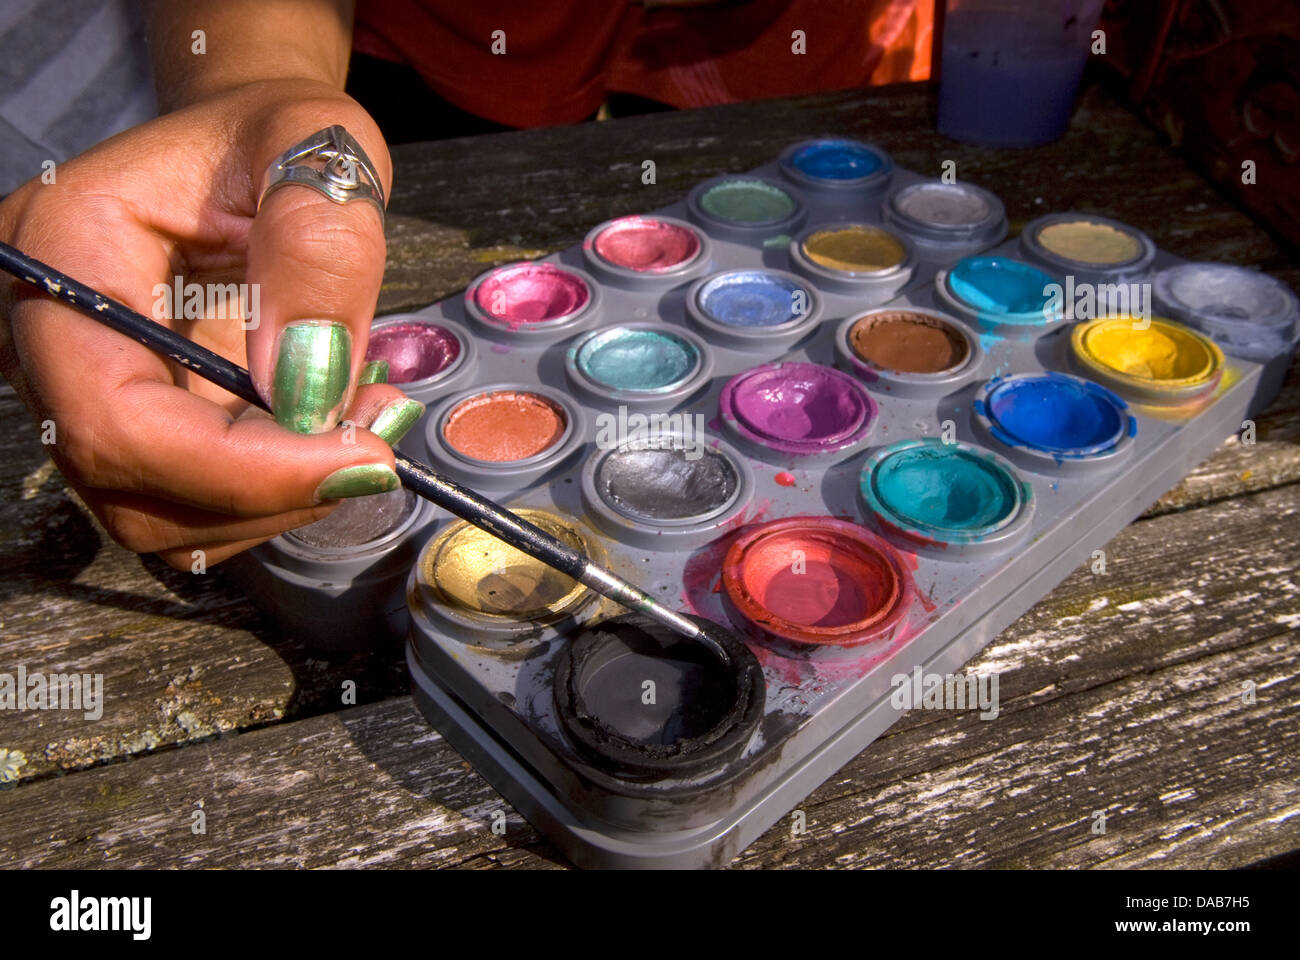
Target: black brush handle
(451, 496)
(421, 479)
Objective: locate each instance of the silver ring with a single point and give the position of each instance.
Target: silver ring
(331, 162)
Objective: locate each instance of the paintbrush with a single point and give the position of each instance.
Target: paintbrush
(415, 476)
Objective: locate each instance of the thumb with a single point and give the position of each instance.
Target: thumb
(316, 265)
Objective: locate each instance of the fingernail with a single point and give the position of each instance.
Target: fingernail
(358, 481)
(396, 419)
(376, 371)
(312, 368)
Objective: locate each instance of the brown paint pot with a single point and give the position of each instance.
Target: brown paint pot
(908, 352)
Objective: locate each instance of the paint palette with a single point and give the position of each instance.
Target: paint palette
(820, 402)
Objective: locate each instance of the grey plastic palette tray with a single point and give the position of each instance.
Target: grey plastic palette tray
(824, 706)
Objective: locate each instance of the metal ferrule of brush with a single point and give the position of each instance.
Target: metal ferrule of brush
(619, 590)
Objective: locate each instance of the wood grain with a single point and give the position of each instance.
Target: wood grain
(1120, 693)
(188, 663)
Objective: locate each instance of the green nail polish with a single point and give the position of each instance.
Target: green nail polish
(359, 481)
(396, 419)
(311, 375)
(376, 371)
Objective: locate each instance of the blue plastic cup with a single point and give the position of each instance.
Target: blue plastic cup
(1010, 68)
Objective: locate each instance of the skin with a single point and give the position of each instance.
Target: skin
(167, 462)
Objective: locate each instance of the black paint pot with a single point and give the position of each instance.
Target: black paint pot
(641, 702)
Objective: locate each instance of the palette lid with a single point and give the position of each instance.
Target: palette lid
(1249, 314)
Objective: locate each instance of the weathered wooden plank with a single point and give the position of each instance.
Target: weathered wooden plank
(186, 658)
(1120, 693)
(183, 657)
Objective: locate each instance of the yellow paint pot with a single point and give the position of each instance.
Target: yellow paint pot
(854, 248)
(1162, 362)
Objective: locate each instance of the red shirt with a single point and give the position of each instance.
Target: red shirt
(562, 56)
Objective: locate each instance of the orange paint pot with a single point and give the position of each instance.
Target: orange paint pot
(505, 426)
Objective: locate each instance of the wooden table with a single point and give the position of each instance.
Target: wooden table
(1120, 692)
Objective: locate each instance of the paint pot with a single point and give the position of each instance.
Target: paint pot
(533, 302)
(1247, 313)
(1156, 361)
(339, 583)
(638, 365)
(1090, 248)
(647, 253)
(472, 587)
(837, 165)
(503, 436)
(666, 491)
(856, 258)
(999, 293)
(816, 581)
(426, 358)
(1250, 315)
(744, 208)
(797, 411)
(1054, 422)
(754, 309)
(708, 698)
(952, 501)
(908, 351)
(946, 221)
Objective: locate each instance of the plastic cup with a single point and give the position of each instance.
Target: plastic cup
(1010, 68)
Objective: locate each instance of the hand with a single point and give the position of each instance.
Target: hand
(164, 459)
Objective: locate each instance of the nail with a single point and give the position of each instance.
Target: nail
(312, 369)
(376, 371)
(358, 481)
(396, 419)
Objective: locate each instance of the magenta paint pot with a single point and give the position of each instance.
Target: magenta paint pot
(802, 411)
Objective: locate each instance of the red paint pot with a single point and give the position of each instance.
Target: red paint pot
(815, 580)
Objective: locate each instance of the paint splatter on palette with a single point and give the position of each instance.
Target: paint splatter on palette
(821, 401)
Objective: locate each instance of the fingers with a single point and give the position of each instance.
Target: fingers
(144, 524)
(148, 524)
(183, 558)
(385, 411)
(248, 467)
(318, 266)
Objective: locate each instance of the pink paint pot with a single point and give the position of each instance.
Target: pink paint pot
(425, 357)
(532, 302)
(646, 252)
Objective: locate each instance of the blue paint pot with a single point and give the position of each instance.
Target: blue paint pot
(1062, 415)
(751, 298)
(833, 163)
(754, 309)
(836, 160)
(638, 359)
(1000, 291)
(945, 499)
(642, 365)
